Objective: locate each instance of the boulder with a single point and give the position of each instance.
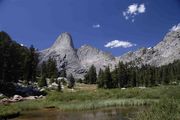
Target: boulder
(17, 98)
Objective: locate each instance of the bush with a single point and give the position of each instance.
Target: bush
(42, 82)
(71, 81)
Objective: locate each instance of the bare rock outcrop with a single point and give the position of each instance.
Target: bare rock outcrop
(165, 52)
(78, 61)
(89, 55)
(65, 54)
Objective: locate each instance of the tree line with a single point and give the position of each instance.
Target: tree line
(16, 63)
(127, 75)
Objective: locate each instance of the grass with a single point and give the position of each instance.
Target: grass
(165, 109)
(87, 97)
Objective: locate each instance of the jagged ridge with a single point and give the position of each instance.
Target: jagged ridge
(78, 61)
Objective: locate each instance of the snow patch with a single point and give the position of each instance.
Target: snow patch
(175, 27)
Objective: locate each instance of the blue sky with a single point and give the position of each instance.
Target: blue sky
(131, 24)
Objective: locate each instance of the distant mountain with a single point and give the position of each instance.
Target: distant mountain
(65, 54)
(78, 61)
(163, 53)
(89, 55)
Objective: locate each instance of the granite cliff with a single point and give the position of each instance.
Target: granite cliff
(77, 61)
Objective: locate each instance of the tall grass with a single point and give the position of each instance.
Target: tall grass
(165, 109)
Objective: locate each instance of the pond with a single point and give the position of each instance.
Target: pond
(101, 114)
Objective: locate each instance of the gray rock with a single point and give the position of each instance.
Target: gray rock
(75, 61)
(78, 61)
(65, 54)
(163, 53)
(17, 98)
(1, 95)
(89, 55)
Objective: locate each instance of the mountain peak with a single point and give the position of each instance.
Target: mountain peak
(64, 41)
(175, 27)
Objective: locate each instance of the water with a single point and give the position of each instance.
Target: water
(54, 114)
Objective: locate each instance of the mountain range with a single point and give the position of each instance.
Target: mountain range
(78, 61)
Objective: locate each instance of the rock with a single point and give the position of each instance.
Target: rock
(142, 87)
(75, 61)
(41, 96)
(89, 55)
(62, 86)
(61, 78)
(4, 100)
(31, 98)
(42, 90)
(17, 98)
(78, 61)
(65, 54)
(1, 95)
(163, 53)
(53, 86)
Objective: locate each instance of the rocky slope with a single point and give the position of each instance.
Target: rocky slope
(65, 54)
(89, 55)
(77, 61)
(163, 53)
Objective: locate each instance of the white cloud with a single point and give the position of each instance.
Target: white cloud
(96, 26)
(134, 10)
(175, 27)
(119, 43)
(141, 8)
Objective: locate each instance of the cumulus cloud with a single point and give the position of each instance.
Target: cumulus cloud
(96, 26)
(175, 27)
(119, 43)
(134, 10)
(141, 8)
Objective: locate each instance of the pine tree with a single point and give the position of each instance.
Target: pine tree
(115, 78)
(44, 69)
(63, 73)
(71, 81)
(34, 62)
(108, 83)
(52, 70)
(42, 82)
(91, 76)
(59, 86)
(100, 79)
(30, 65)
(122, 75)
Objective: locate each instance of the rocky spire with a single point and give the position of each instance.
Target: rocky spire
(64, 41)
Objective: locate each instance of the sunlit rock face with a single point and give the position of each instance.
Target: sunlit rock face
(89, 55)
(78, 61)
(65, 54)
(165, 52)
(75, 61)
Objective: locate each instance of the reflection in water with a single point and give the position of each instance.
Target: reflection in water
(53, 114)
